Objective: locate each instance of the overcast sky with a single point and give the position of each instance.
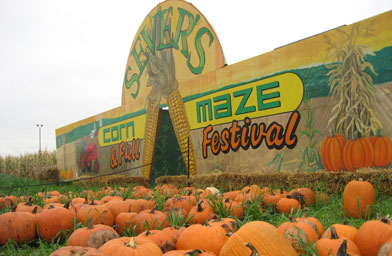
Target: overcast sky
(63, 61)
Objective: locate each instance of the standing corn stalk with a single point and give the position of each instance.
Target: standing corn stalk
(150, 134)
(163, 83)
(351, 84)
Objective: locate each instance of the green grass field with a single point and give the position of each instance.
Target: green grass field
(327, 213)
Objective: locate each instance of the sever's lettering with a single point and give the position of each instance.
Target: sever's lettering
(140, 54)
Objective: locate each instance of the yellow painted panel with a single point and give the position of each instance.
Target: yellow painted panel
(123, 131)
(274, 95)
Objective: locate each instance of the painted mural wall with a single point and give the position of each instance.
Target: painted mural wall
(293, 108)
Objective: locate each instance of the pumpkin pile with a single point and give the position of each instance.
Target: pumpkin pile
(338, 154)
(167, 220)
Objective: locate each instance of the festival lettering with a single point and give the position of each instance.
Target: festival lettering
(248, 135)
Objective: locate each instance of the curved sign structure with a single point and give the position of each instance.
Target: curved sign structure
(269, 113)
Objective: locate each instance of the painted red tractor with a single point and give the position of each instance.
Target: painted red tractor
(88, 157)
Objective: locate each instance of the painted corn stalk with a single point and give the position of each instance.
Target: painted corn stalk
(163, 83)
(351, 84)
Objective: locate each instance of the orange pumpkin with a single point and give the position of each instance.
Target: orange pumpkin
(200, 213)
(382, 150)
(125, 221)
(77, 250)
(151, 219)
(288, 205)
(160, 238)
(118, 206)
(358, 192)
(125, 246)
(186, 202)
(7, 201)
(17, 226)
(330, 246)
(358, 153)
(196, 252)
(145, 204)
(307, 194)
(173, 233)
(265, 238)
(315, 223)
(99, 214)
(342, 230)
(227, 224)
(232, 194)
(92, 235)
(203, 237)
(372, 235)
(28, 207)
(332, 152)
(272, 198)
(298, 233)
(55, 222)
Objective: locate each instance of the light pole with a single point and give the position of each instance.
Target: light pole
(39, 127)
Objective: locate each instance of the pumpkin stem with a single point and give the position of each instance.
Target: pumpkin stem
(153, 210)
(229, 234)
(378, 132)
(334, 234)
(51, 206)
(292, 219)
(342, 251)
(199, 208)
(29, 201)
(67, 204)
(131, 243)
(90, 223)
(226, 227)
(227, 200)
(34, 211)
(299, 197)
(214, 217)
(254, 250)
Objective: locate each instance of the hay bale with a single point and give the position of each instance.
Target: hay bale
(46, 173)
(120, 180)
(330, 182)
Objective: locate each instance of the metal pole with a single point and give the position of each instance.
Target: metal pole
(39, 127)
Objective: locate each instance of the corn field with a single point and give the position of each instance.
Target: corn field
(27, 165)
